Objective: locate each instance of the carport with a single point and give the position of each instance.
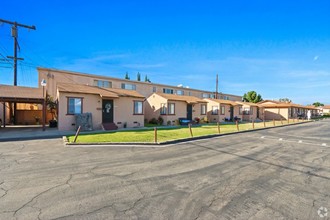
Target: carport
(19, 94)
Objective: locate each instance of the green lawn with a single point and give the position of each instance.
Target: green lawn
(166, 134)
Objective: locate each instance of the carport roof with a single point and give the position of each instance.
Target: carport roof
(20, 94)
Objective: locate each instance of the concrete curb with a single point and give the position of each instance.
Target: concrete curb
(30, 138)
(175, 141)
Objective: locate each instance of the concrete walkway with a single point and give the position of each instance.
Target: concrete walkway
(18, 133)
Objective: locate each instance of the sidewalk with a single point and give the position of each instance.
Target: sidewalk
(18, 133)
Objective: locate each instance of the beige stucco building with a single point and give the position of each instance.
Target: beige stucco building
(116, 107)
(284, 111)
(251, 111)
(223, 110)
(172, 107)
(54, 76)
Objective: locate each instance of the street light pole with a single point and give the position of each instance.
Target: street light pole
(43, 84)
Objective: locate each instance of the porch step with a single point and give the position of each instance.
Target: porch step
(109, 126)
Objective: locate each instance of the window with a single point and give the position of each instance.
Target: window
(189, 93)
(240, 110)
(138, 108)
(154, 89)
(205, 95)
(171, 108)
(222, 110)
(102, 83)
(128, 86)
(163, 109)
(246, 111)
(179, 92)
(203, 110)
(226, 97)
(74, 106)
(215, 110)
(168, 91)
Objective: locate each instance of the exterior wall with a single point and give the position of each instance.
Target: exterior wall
(219, 117)
(326, 110)
(53, 77)
(276, 113)
(31, 117)
(180, 112)
(123, 111)
(91, 103)
(152, 106)
(213, 118)
(197, 111)
(250, 116)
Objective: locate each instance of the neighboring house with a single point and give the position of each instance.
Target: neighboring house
(326, 109)
(172, 107)
(223, 110)
(251, 111)
(285, 110)
(109, 107)
(53, 76)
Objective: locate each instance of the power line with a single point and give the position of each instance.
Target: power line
(14, 34)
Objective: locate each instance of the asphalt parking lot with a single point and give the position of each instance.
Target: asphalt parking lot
(280, 173)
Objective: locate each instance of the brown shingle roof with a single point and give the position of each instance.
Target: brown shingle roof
(13, 93)
(125, 92)
(225, 102)
(326, 107)
(182, 98)
(85, 89)
(248, 103)
(103, 92)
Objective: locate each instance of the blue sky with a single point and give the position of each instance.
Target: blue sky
(277, 48)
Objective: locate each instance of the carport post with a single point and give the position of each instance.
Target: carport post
(4, 114)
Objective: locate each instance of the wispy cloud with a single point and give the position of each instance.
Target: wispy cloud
(316, 58)
(143, 66)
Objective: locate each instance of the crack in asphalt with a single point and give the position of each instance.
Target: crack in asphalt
(39, 194)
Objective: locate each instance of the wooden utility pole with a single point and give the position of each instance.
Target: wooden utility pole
(14, 34)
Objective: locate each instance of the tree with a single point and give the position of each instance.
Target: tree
(252, 96)
(52, 107)
(318, 104)
(138, 76)
(127, 76)
(286, 100)
(146, 79)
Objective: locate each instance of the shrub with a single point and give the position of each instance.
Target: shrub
(169, 122)
(153, 121)
(160, 120)
(197, 120)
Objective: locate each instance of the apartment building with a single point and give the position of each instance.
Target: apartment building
(54, 76)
